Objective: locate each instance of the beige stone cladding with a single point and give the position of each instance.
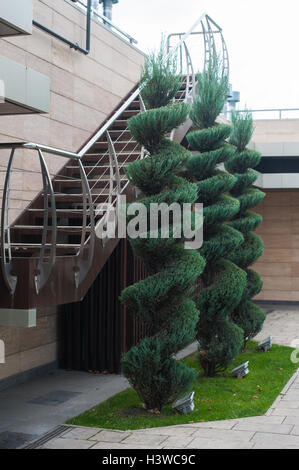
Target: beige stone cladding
(28, 348)
(279, 265)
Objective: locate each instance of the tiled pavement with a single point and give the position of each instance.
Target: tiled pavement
(278, 429)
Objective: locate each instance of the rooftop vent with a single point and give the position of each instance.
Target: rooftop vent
(15, 17)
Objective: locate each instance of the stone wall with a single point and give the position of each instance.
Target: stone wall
(29, 348)
(279, 265)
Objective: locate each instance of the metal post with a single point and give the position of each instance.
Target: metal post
(107, 7)
(6, 258)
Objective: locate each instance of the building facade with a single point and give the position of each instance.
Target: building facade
(83, 90)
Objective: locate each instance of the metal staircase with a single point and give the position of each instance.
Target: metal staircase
(53, 251)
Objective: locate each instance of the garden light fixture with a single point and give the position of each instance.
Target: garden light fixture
(241, 370)
(185, 405)
(266, 344)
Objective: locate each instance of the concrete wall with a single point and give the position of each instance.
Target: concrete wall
(272, 130)
(279, 265)
(84, 89)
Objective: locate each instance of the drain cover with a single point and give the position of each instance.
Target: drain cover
(47, 437)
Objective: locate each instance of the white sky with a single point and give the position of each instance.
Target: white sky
(262, 38)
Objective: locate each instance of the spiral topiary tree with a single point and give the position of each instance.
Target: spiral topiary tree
(247, 315)
(222, 281)
(161, 301)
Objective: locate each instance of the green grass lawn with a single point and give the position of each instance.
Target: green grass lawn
(221, 397)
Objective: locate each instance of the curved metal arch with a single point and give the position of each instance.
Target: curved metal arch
(225, 57)
(211, 39)
(83, 265)
(44, 268)
(6, 258)
(114, 168)
(190, 84)
(211, 35)
(115, 189)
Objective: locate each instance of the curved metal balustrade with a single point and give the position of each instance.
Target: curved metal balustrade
(47, 248)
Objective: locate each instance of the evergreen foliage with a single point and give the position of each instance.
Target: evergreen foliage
(247, 314)
(223, 282)
(159, 75)
(161, 301)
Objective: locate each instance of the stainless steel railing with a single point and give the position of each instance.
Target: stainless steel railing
(82, 5)
(45, 264)
(272, 113)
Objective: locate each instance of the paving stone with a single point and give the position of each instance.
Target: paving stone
(264, 427)
(111, 436)
(269, 446)
(80, 433)
(146, 439)
(173, 447)
(291, 395)
(291, 420)
(61, 443)
(277, 440)
(288, 404)
(178, 441)
(295, 385)
(285, 412)
(206, 443)
(224, 434)
(261, 419)
(169, 430)
(221, 424)
(122, 446)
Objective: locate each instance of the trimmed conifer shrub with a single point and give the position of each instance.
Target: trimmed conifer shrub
(161, 301)
(247, 315)
(159, 74)
(222, 283)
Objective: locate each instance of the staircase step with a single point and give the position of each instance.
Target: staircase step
(37, 246)
(130, 112)
(74, 197)
(118, 145)
(125, 134)
(125, 155)
(102, 182)
(60, 212)
(92, 180)
(66, 228)
(120, 124)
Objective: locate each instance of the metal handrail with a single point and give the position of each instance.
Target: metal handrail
(107, 20)
(268, 110)
(134, 95)
(44, 268)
